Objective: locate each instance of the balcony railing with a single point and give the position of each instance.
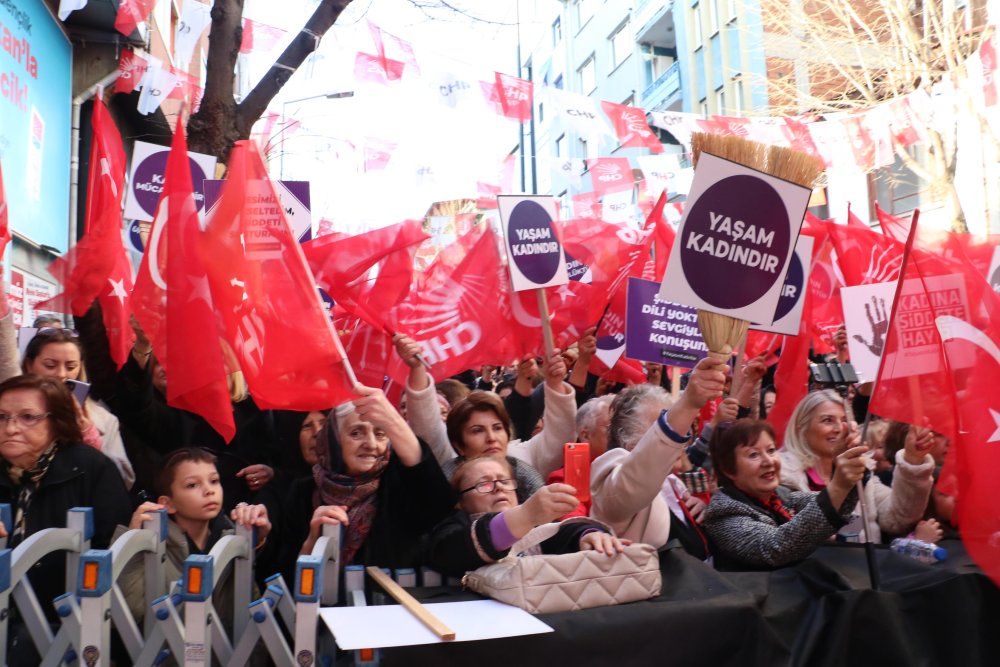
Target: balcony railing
(664, 91)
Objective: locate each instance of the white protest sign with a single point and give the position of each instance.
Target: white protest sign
(536, 257)
(866, 317)
(735, 241)
(921, 301)
(145, 182)
(788, 315)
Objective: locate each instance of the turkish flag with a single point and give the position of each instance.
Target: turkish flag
(631, 127)
(173, 302)
(131, 13)
(865, 256)
(97, 267)
(266, 296)
(939, 369)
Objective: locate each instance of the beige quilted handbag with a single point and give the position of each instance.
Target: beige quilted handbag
(545, 583)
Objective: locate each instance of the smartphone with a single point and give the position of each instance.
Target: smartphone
(576, 456)
(80, 390)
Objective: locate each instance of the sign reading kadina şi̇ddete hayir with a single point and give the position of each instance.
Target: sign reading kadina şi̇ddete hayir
(735, 241)
(535, 254)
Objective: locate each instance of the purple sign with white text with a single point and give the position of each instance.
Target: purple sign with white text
(658, 331)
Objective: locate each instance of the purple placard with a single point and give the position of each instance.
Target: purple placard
(661, 332)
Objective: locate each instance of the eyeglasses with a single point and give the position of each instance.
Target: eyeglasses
(490, 485)
(52, 331)
(24, 419)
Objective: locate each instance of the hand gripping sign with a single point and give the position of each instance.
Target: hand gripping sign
(735, 241)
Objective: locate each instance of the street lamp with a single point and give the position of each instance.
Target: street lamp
(335, 95)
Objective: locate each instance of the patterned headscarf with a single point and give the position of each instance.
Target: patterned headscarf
(334, 486)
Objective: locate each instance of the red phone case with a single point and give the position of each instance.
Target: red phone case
(576, 456)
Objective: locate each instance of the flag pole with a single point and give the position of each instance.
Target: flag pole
(873, 573)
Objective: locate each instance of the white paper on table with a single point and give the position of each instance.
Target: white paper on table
(366, 627)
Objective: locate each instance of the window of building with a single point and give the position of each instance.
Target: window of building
(588, 76)
(713, 16)
(704, 108)
(584, 12)
(556, 31)
(737, 94)
(696, 36)
(558, 83)
(721, 97)
(622, 45)
(561, 145)
(731, 7)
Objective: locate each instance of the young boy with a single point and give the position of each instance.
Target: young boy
(190, 490)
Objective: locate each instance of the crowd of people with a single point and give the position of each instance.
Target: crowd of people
(457, 472)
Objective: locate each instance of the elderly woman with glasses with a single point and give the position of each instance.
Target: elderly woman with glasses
(45, 472)
(374, 478)
(489, 519)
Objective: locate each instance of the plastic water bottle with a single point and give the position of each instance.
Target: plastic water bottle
(927, 553)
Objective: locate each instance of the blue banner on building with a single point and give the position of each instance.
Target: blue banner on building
(35, 103)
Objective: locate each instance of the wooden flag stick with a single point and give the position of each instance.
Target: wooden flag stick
(411, 604)
(543, 314)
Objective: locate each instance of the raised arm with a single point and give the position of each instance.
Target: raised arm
(545, 450)
(422, 411)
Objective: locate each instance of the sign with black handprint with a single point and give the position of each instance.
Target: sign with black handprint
(867, 309)
(867, 312)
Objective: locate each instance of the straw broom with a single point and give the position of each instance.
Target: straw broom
(722, 333)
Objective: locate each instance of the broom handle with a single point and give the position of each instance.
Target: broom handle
(543, 313)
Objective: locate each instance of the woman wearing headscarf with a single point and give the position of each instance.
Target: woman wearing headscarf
(376, 479)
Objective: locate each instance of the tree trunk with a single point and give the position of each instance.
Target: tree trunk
(220, 122)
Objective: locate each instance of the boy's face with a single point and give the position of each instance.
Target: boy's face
(196, 492)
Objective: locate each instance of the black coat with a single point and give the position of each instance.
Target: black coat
(409, 503)
(79, 476)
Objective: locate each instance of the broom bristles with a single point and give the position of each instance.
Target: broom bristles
(723, 333)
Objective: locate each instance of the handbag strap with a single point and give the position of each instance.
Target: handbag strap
(539, 534)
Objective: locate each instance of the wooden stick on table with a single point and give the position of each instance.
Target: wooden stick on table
(411, 604)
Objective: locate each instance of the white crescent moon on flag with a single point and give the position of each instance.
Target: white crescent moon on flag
(154, 244)
(521, 315)
(952, 327)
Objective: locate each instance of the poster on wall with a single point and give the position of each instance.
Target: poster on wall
(26, 292)
(35, 106)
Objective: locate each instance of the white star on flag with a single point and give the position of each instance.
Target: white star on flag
(565, 292)
(118, 290)
(200, 290)
(996, 419)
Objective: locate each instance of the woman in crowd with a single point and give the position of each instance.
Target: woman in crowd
(47, 471)
(818, 432)
(57, 353)
(751, 521)
(489, 520)
(376, 479)
(479, 424)
(629, 484)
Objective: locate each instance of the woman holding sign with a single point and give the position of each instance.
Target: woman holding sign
(819, 431)
(479, 424)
